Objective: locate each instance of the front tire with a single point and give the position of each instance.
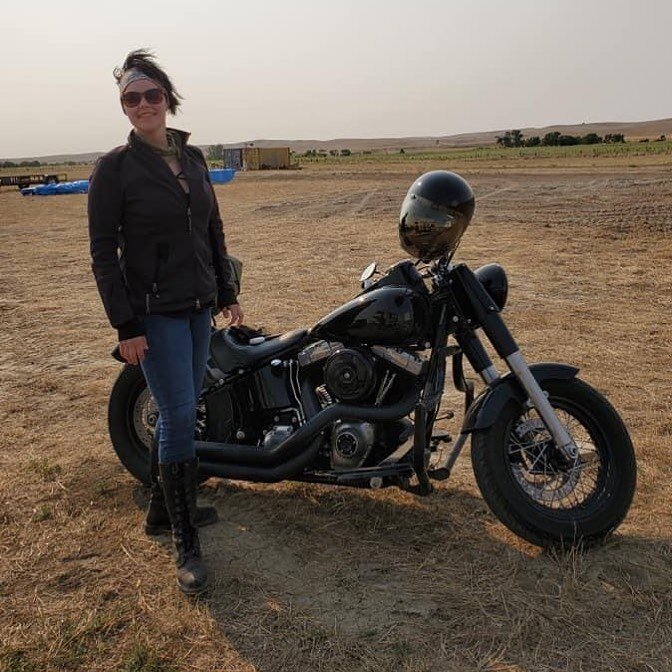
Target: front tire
(539, 494)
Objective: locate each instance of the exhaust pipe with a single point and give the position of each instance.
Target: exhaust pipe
(296, 451)
(281, 472)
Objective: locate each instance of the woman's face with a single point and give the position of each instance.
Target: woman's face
(146, 117)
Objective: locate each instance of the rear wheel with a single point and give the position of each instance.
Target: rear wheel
(539, 493)
(132, 417)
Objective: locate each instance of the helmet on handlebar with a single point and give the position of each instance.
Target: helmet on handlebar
(435, 213)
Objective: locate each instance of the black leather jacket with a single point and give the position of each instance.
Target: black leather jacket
(154, 248)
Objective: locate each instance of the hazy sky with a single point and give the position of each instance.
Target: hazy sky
(318, 69)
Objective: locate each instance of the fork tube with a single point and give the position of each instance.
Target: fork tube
(477, 356)
(521, 370)
(507, 348)
(487, 316)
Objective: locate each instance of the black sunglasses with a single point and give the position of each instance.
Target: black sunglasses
(152, 96)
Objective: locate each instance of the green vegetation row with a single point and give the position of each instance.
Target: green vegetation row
(490, 153)
(37, 164)
(516, 138)
(495, 153)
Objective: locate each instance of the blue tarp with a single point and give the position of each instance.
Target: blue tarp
(218, 176)
(76, 187)
(222, 175)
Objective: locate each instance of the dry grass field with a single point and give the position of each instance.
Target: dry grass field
(315, 578)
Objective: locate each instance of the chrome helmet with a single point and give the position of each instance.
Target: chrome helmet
(435, 213)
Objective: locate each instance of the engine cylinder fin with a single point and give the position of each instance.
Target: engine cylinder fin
(385, 387)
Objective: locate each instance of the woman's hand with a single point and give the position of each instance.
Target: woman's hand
(233, 313)
(133, 349)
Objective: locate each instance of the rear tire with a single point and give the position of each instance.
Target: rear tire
(536, 492)
(130, 412)
(130, 445)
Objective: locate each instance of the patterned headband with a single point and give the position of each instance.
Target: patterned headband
(133, 75)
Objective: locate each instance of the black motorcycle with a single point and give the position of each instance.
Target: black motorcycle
(354, 400)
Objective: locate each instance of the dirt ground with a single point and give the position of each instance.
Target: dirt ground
(311, 577)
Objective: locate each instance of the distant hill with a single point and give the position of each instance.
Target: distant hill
(89, 157)
(631, 129)
(637, 129)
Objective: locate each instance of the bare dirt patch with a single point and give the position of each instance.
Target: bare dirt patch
(308, 577)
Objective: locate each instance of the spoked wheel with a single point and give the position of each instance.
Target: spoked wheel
(132, 418)
(543, 495)
(543, 472)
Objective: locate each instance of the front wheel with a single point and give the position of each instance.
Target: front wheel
(543, 496)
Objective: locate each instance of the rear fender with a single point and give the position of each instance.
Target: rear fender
(488, 406)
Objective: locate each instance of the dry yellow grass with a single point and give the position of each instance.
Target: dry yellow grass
(313, 578)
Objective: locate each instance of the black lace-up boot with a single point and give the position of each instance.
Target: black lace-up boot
(158, 521)
(179, 480)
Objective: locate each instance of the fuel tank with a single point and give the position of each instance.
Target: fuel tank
(385, 316)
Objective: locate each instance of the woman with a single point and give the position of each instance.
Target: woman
(160, 262)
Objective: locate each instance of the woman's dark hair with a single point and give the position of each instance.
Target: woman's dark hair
(145, 61)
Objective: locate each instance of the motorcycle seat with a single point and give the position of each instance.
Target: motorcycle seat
(231, 354)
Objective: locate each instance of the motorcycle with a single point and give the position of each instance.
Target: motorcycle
(353, 401)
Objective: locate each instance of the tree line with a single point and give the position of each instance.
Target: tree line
(324, 153)
(21, 164)
(34, 164)
(515, 138)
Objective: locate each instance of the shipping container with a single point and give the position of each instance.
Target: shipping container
(251, 158)
(262, 158)
(274, 157)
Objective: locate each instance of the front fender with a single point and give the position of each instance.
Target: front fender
(488, 406)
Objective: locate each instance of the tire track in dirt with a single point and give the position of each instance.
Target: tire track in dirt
(357, 209)
(495, 192)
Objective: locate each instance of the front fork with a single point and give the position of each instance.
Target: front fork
(475, 352)
(482, 311)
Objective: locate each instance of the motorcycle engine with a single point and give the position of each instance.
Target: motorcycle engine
(373, 376)
(350, 375)
(351, 443)
(276, 435)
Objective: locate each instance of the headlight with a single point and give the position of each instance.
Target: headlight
(493, 278)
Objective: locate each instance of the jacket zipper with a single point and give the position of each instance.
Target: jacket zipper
(155, 282)
(189, 224)
(189, 229)
(187, 195)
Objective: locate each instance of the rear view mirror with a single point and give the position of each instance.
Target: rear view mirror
(368, 272)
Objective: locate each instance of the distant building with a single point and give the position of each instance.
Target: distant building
(233, 158)
(257, 158)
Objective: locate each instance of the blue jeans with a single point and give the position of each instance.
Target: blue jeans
(174, 368)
